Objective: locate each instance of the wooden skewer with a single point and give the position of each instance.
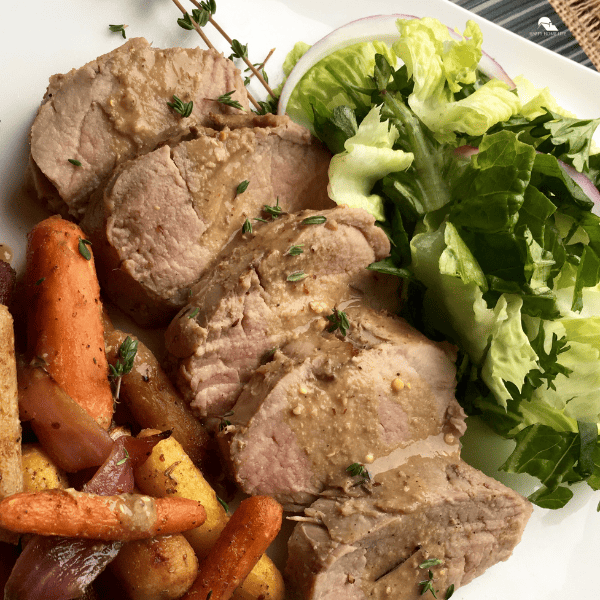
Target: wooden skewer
(196, 26)
(245, 58)
(207, 42)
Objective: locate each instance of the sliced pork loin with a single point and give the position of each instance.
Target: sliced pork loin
(163, 218)
(114, 108)
(263, 293)
(374, 545)
(324, 402)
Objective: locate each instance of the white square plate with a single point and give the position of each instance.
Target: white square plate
(557, 559)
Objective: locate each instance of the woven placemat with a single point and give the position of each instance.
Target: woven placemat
(582, 17)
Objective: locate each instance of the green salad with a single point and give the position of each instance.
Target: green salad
(477, 184)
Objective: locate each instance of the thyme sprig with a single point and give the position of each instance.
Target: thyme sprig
(339, 320)
(227, 100)
(273, 211)
(247, 226)
(183, 108)
(127, 352)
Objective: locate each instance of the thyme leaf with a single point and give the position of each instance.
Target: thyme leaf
(84, 250)
(185, 22)
(449, 592)
(194, 313)
(242, 187)
(297, 276)
(74, 161)
(247, 226)
(358, 470)
(223, 504)
(127, 352)
(228, 101)
(295, 250)
(432, 562)
(239, 50)
(273, 211)
(118, 29)
(315, 220)
(123, 460)
(183, 108)
(338, 320)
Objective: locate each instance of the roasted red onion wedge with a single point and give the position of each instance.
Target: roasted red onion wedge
(68, 434)
(115, 476)
(52, 568)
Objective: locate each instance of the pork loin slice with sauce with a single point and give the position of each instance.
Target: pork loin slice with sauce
(114, 108)
(324, 403)
(163, 218)
(363, 545)
(260, 296)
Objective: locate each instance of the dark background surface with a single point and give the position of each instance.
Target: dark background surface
(522, 17)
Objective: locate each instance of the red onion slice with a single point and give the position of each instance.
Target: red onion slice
(66, 431)
(585, 183)
(375, 28)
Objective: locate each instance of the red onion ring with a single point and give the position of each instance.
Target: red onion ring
(374, 28)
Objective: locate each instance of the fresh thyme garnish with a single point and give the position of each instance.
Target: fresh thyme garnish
(449, 592)
(358, 470)
(74, 161)
(297, 276)
(273, 211)
(427, 584)
(316, 220)
(39, 281)
(432, 562)
(295, 250)
(194, 313)
(247, 226)
(118, 29)
(208, 596)
(127, 352)
(260, 220)
(242, 187)
(123, 460)
(183, 108)
(338, 320)
(185, 22)
(227, 100)
(239, 50)
(224, 421)
(223, 504)
(84, 250)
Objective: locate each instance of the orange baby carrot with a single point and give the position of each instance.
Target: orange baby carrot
(125, 517)
(64, 314)
(247, 535)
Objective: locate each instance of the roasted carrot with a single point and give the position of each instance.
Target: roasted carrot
(125, 517)
(247, 535)
(64, 314)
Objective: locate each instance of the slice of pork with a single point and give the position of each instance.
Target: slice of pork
(114, 108)
(163, 218)
(260, 296)
(324, 403)
(371, 545)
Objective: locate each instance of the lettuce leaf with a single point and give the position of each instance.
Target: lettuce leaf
(440, 66)
(336, 80)
(368, 157)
